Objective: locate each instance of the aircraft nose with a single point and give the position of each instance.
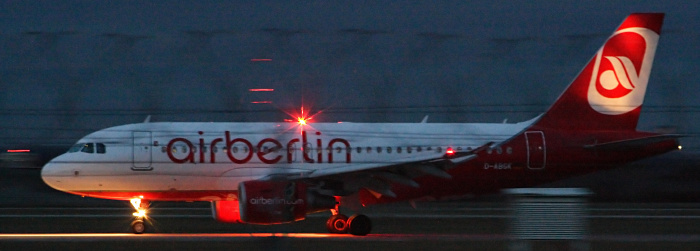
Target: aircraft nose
(51, 174)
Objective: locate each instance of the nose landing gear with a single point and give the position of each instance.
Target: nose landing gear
(138, 226)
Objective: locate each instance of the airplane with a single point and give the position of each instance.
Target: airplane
(273, 173)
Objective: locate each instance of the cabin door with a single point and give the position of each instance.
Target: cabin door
(142, 146)
(536, 150)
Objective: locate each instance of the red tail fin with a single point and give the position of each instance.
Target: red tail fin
(608, 93)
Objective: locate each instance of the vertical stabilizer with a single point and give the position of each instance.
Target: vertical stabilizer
(608, 93)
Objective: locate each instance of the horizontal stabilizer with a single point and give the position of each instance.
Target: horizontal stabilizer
(632, 143)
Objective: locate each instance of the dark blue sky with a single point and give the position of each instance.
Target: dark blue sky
(70, 67)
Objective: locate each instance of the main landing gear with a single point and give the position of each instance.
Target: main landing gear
(358, 224)
(138, 226)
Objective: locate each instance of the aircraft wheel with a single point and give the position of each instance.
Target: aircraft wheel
(138, 227)
(337, 224)
(359, 224)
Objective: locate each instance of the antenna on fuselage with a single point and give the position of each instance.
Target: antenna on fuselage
(148, 119)
(425, 119)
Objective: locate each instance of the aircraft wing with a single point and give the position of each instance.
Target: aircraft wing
(377, 177)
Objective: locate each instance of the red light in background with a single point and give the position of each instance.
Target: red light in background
(19, 151)
(261, 90)
(260, 59)
(261, 102)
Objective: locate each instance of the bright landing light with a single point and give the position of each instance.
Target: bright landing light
(302, 121)
(141, 213)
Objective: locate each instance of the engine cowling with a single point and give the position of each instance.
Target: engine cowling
(275, 202)
(226, 211)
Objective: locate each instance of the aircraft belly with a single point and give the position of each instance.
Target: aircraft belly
(146, 183)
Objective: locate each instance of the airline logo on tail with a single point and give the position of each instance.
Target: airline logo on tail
(621, 71)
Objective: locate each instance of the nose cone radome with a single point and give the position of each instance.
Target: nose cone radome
(51, 174)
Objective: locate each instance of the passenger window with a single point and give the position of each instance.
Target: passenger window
(419, 149)
(439, 149)
(101, 148)
(509, 150)
(163, 149)
(379, 149)
(184, 149)
(398, 149)
(338, 149)
(388, 149)
(88, 148)
(359, 149)
(214, 149)
(409, 149)
(369, 149)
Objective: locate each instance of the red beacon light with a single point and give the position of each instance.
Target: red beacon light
(301, 121)
(450, 152)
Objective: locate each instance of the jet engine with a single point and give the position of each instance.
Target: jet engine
(271, 202)
(226, 211)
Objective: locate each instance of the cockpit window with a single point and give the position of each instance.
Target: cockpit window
(88, 148)
(100, 148)
(76, 148)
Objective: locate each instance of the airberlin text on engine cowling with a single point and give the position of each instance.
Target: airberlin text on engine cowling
(268, 157)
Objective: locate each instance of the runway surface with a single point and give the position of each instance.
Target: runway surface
(444, 226)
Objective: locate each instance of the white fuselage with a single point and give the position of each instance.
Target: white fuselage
(196, 157)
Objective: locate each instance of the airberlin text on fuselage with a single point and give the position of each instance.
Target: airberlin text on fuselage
(271, 156)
